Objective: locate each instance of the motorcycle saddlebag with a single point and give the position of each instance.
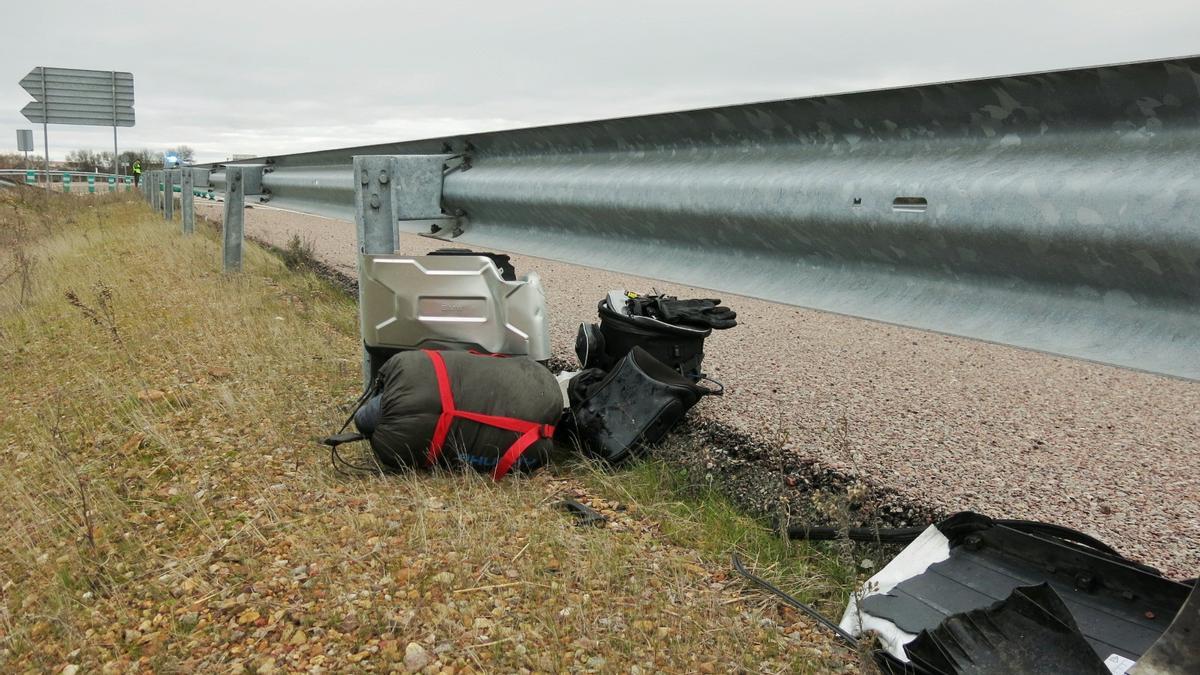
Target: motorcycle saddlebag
(680, 347)
(630, 408)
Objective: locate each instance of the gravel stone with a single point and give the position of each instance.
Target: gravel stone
(415, 657)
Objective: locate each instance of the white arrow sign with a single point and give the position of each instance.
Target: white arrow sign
(73, 96)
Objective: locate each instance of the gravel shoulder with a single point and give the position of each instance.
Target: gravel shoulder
(937, 422)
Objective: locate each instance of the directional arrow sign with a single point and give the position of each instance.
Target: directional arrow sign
(73, 96)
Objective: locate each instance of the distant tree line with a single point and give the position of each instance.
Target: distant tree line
(90, 160)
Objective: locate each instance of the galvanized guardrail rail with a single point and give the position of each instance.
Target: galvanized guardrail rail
(1056, 211)
(86, 180)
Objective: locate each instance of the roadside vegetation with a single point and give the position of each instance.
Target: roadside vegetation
(166, 507)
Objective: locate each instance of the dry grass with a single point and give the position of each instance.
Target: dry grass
(165, 507)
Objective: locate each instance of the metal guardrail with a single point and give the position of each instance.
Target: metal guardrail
(86, 180)
(57, 173)
(1056, 211)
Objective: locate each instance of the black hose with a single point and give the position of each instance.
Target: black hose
(897, 535)
(906, 535)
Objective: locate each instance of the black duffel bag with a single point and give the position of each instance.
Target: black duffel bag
(618, 414)
(446, 407)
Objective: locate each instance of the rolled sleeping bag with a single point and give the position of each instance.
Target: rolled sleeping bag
(495, 414)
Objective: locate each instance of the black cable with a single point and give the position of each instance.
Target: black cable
(335, 457)
(793, 602)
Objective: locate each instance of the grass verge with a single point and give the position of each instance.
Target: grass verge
(167, 509)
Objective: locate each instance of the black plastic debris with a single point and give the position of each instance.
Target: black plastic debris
(977, 595)
(584, 515)
(1178, 650)
(1117, 607)
(1120, 608)
(1030, 631)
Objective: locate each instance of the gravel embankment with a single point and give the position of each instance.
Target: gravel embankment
(945, 422)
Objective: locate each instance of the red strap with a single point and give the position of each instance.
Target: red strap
(530, 431)
(443, 424)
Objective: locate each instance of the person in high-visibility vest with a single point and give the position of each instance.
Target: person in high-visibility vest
(137, 172)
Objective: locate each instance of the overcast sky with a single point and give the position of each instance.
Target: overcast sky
(276, 77)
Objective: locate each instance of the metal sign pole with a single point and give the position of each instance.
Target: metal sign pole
(116, 157)
(46, 131)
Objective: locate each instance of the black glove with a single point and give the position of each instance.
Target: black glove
(695, 312)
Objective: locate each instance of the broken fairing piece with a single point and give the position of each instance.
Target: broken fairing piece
(930, 547)
(1030, 631)
(969, 563)
(1178, 650)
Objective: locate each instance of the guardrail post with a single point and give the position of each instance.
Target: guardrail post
(155, 201)
(168, 195)
(394, 193)
(186, 205)
(235, 215)
(375, 222)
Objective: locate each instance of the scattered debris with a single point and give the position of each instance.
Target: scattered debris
(585, 514)
(936, 604)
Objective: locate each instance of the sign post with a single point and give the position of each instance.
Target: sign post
(74, 96)
(25, 143)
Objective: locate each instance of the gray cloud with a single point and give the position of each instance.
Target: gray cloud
(274, 77)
